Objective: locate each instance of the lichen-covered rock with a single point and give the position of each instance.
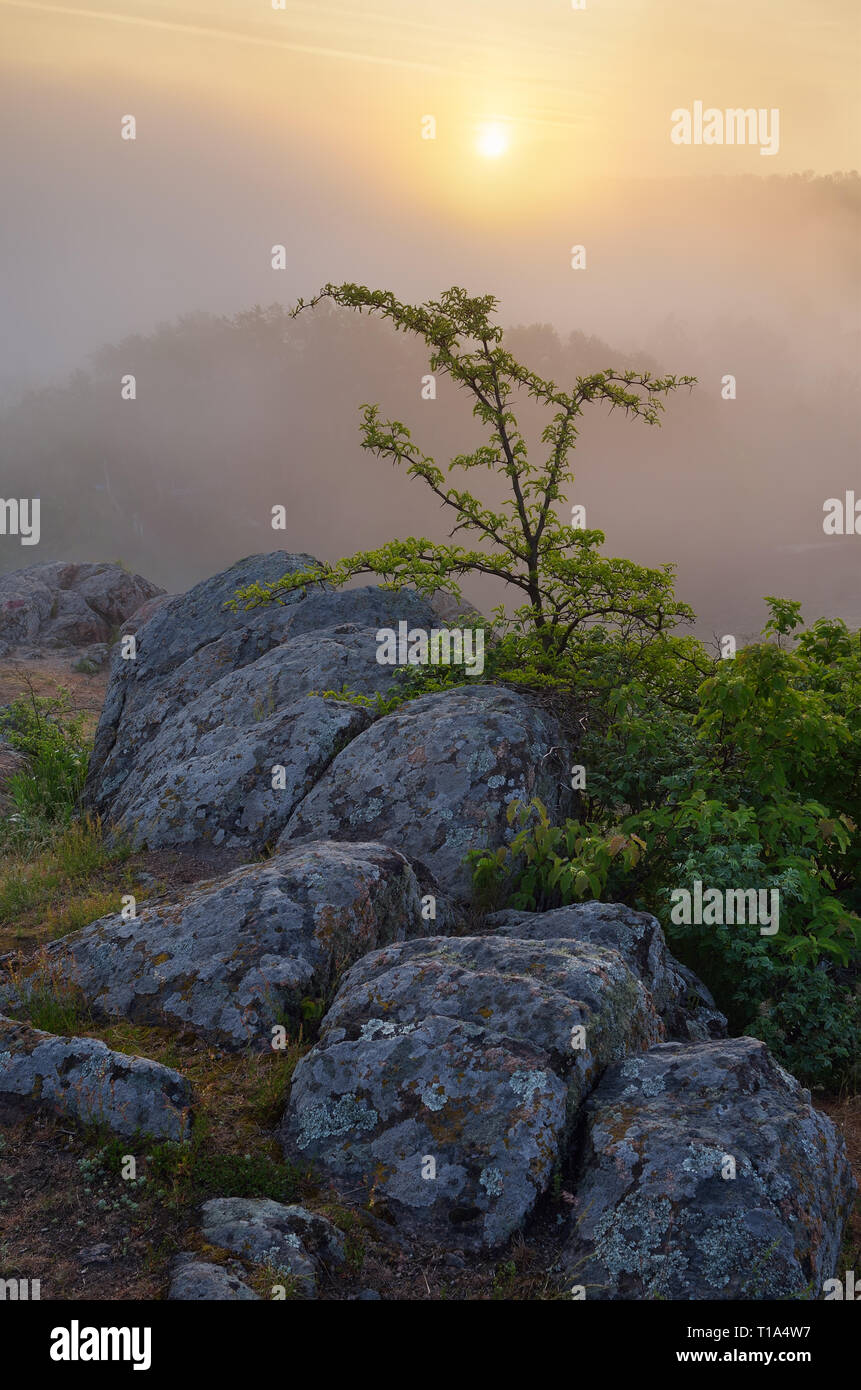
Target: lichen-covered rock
(435, 778)
(84, 1079)
(217, 775)
(449, 1071)
(208, 735)
(231, 958)
(68, 605)
(707, 1174)
(451, 1130)
(539, 992)
(196, 1280)
(293, 1242)
(683, 1002)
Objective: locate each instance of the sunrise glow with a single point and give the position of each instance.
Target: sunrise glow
(493, 139)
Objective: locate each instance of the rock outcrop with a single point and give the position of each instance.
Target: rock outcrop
(210, 735)
(457, 1079)
(67, 605)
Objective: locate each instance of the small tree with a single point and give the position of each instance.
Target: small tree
(565, 584)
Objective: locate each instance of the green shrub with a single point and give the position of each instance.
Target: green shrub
(751, 780)
(57, 752)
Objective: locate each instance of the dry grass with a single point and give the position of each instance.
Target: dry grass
(63, 885)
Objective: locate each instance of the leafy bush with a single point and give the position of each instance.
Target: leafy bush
(753, 784)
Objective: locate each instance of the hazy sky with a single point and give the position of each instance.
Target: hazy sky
(302, 126)
(591, 87)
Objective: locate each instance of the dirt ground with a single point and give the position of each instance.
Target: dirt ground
(18, 676)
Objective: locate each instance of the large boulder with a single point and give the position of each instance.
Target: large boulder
(435, 778)
(683, 1002)
(232, 958)
(68, 605)
(447, 1129)
(208, 735)
(83, 1079)
(706, 1173)
(449, 1072)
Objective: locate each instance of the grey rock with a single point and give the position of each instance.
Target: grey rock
(62, 605)
(463, 1051)
(176, 640)
(686, 1006)
(136, 620)
(536, 992)
(291, 1240)
(231, 958)
(196, 1280)
(84, 1079)
(205, 779)
(210, 734)
(489, 1114)
(654, 1217)
(435, 777)
(73, 622)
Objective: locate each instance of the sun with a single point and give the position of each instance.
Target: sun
(492, 139)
